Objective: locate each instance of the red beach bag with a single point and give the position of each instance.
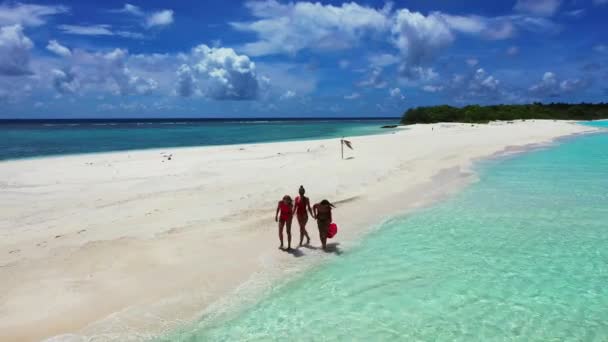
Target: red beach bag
(332, 231)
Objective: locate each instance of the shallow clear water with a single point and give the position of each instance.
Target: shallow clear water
(520, 255)
(38, 139)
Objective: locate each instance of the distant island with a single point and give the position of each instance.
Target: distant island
(484, 114)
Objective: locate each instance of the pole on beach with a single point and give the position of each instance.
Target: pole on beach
(342, 147)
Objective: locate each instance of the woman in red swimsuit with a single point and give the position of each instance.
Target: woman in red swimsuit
(300, 209)
(285, 207)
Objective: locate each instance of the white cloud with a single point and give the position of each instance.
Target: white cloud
(375, 79)
(219, 74)
(472, 61)
(482, 82)
(14, 51)
(352, 96)
(578, 13)
(65, 81)
(28, 14)
(160, 18)
(418, 73)
(288, 95)
(98, 30)
(477, 85)
(291, 27)
(186, 83)
(547, 85)
(538, 7)
(132, 9)
(551, 86)
(396, 93)
(419, 38)
(87, 30)
(383, 60)
(101, 72)
(129, 34)
(432, 88)
(55, 47)
(344, 64)
(497, 28)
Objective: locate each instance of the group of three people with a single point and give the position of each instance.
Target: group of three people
(287, 209)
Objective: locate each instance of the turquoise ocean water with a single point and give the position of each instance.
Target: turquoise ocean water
(520, 255)
(40, 138)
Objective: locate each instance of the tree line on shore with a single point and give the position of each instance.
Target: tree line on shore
(484, 114)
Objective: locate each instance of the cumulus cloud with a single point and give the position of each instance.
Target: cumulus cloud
(14, 51)
(219, 74)
(65, 81)
(419, 38)
(396, 93)
(538, 7)
(28, 14)
(476, 85)
(55, 47)
(101, 72)
(291, 27)
(186, 83)
(551, 86)
(352, 96)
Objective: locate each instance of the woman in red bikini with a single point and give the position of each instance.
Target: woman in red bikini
(285, 207)
(301, 209)
(322, 212)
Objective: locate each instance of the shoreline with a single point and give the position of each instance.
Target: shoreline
(432, 169)
(370, 124)
(260, 286)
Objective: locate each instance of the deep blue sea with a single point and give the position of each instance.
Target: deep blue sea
(520, 255)
(40, 138)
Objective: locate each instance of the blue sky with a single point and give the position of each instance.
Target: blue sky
(276, 58)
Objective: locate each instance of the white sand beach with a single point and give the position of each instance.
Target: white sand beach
(127, 245)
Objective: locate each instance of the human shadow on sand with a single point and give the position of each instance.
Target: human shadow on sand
(294, 251)
(331, 248)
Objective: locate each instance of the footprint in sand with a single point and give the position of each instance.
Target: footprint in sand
(14, 251)
(82, 231)
(58, 236)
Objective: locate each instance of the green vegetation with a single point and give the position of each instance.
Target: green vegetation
(484, 114)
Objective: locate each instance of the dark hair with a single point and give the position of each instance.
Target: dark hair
(301, 189)
(326, 202)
